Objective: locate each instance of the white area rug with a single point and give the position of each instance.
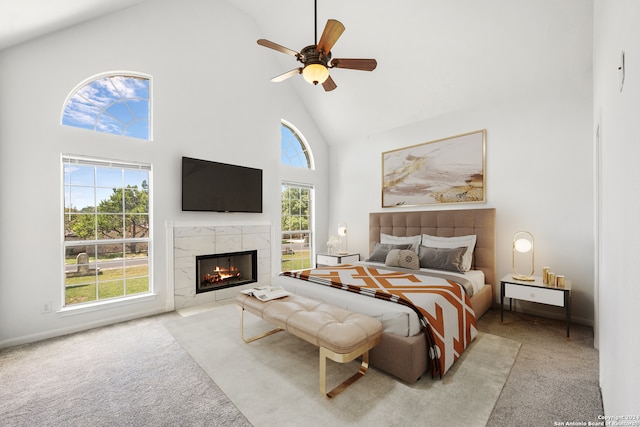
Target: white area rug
(274, 381)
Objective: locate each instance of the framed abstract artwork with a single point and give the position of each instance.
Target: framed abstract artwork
(448, 170)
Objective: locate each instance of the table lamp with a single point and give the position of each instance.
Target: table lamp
(522, 244)
(342, 232)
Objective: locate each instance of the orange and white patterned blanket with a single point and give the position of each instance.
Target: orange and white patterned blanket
(441, 304)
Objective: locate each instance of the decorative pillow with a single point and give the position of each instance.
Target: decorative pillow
(449, 259)
(414, 241)
(381, 250)
(404, 258)
(453, 242)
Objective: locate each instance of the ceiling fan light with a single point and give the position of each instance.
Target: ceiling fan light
(315, 73)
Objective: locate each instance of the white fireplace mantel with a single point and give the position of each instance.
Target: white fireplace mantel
(189, 241)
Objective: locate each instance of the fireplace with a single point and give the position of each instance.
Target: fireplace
(219, 271)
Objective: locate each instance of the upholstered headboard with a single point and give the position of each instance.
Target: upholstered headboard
(445, 223)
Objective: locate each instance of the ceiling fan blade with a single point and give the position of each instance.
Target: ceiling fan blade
(329, 84)
(286, 75)
(355, 64)
(275, 46)
(332, 32)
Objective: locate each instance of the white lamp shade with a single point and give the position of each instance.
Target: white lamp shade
(315, 73)
(342, 232)
(523, 245)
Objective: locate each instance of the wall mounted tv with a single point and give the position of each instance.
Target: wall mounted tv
(220, 187)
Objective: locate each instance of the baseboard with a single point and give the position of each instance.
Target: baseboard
(28, 339)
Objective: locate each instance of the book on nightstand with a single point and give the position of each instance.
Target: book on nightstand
(267, 293)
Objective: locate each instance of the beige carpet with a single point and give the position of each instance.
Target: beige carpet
(129, 374)
(274, 381)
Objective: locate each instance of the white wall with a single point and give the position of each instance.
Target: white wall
(616, 115)
(209, 101)
(539, 176)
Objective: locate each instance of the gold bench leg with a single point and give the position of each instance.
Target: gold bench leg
(341, 358)
(257, 337)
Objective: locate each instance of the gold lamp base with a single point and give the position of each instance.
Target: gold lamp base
(523, 278)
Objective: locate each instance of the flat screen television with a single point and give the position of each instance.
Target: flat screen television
(220, 187)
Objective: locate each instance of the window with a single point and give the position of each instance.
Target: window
(114, 103)
(293, 150)
(297, 236)
(106, 229)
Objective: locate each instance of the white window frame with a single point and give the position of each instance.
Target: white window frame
(304, 145)
(98, 107)
(116, 301)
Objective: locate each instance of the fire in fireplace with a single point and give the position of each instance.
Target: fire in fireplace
(218, 271)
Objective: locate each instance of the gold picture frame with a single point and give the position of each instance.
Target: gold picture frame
(448, 170)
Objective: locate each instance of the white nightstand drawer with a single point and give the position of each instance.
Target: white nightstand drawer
(534, 294)
(337, 259)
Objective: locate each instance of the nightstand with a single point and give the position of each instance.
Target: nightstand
(535, 291)
(323, 260)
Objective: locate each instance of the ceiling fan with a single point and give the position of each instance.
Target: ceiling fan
(316, 58)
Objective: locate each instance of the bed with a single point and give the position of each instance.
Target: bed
(406, 343)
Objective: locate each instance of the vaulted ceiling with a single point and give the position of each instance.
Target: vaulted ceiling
(434, 56)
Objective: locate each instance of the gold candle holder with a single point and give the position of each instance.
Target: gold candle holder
(552, 279)
(560, 281)
(545, 275)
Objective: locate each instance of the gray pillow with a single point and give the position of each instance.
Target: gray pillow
(380, 251)
(404, 258)
(449, 259)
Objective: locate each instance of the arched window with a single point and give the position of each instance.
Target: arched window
(294, 151)
(297, 202)
(115, 103)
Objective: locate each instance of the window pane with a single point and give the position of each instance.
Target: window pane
(105, 269)
(109, 124)
(114, 104)
(296, 235)
(79, 227)
(109, 200)
(137, 226)
(139, 178)
(79, 199)
(293, 151)
(76, 294)
(80, 112)
(80, 271)
(110, 226)
(136, 251)
(136, 200)
(139, 108)
(136, 284)
(120, 112)
(111, 289)
(109, 252)
(79, 175)
(109, 177)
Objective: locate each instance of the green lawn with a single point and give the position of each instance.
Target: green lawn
(110, 285)
(297, 261)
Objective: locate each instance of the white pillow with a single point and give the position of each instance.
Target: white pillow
(453, 242)
(414, 241)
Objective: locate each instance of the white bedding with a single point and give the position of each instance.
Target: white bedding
(396, 319)
(476, 277)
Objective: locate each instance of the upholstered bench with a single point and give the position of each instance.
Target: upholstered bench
(341, 335)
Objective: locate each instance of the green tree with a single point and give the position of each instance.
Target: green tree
(295, 209)
(123, 214)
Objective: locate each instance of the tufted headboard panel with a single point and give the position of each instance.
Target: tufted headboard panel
(445, 223)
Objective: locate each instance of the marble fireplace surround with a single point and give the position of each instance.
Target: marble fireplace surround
(190, 241)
